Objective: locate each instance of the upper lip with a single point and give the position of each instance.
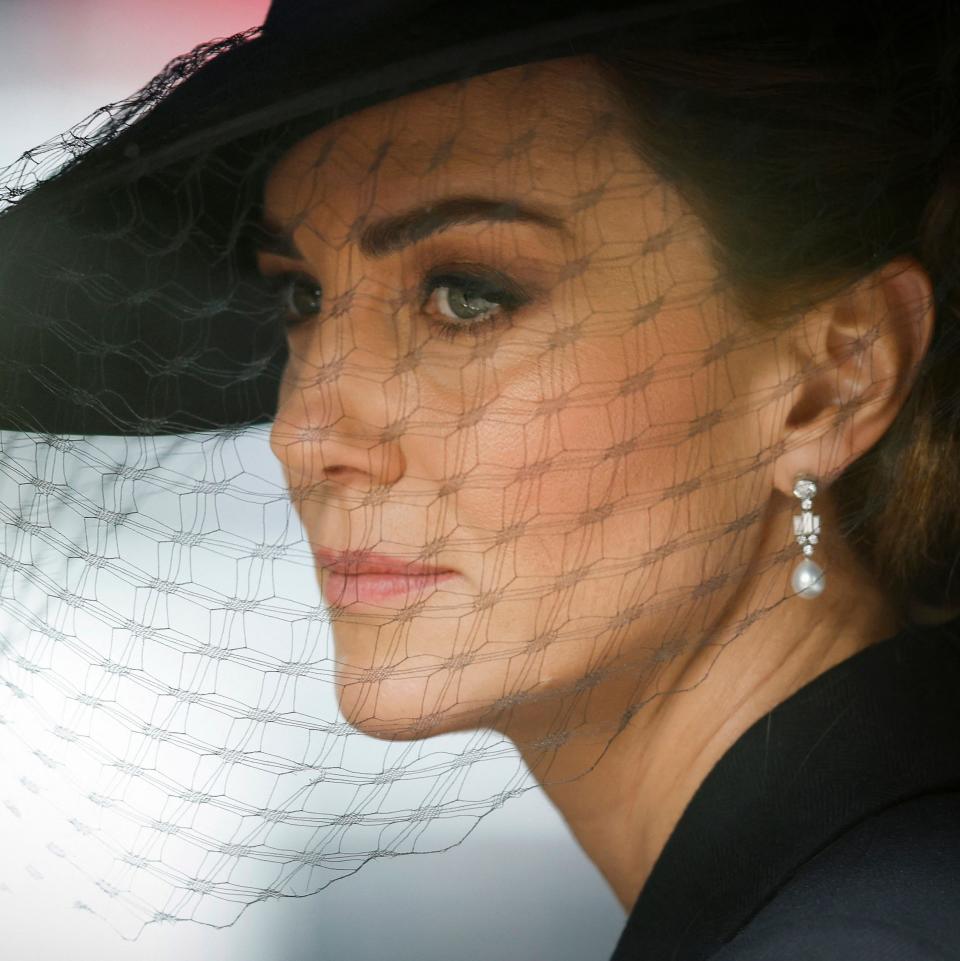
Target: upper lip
(367, 562)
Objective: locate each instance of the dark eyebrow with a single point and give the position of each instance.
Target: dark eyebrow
(390, 234)
(394, 233)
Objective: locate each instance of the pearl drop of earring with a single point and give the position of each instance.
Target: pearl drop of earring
(808, 579)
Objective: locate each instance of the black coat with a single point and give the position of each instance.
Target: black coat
(830, 831)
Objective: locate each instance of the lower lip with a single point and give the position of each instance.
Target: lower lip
(342, 589)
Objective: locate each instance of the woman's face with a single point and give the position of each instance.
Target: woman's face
(510, 361)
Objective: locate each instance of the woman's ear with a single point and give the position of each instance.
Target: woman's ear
(857, 356)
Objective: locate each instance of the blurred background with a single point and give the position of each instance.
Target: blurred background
(517, 888)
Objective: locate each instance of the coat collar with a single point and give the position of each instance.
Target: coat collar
(875, 729)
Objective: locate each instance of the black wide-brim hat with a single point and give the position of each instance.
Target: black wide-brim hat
(128, 302)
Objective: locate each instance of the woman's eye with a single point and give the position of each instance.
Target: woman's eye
(463, 304)
(301, 297)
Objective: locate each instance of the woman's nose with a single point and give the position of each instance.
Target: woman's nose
(340, 411)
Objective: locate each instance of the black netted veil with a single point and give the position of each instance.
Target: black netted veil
(167, 669)
(148, 207)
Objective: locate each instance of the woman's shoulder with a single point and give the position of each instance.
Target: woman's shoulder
(887, 888)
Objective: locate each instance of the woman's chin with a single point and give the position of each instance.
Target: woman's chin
(424, 700)
(401, 686)
(391, 711)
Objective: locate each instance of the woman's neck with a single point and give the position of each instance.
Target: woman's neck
(622, 793)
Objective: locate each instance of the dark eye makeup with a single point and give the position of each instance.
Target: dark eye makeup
(470, 300)
(299, 296)
(460, 300)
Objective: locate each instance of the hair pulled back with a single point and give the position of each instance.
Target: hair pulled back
(815, 149)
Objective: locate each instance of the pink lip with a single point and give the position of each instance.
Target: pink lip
(361, 576)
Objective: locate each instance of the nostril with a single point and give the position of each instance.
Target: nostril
(343, 474)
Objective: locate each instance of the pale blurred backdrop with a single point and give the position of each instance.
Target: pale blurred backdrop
(518, 888)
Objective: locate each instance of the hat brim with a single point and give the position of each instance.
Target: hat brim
(126, 306)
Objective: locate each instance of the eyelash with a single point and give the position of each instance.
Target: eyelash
(474, 281)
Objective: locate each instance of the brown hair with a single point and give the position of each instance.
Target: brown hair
(815, 152)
